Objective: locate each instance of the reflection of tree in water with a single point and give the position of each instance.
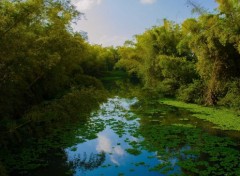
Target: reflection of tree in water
(84, 162)
(180, 144)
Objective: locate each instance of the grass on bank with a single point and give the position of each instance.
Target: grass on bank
(225, 119)
(114, 75)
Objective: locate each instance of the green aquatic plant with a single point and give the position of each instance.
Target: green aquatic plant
(142, 163)
(161, 166)
(198, 153)
(133, 151)
(177, 137)
(223, 118)
(131, 170)
(54, 125)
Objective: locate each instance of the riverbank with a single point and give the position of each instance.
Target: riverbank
(223, 118)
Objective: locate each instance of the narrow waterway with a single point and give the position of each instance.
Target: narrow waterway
(128, 136)
(113, 151)
(150, 139)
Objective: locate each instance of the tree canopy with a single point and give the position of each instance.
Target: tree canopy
(173, 58)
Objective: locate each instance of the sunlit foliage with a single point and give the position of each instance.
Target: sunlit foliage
(200, 55)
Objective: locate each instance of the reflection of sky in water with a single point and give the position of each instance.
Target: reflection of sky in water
(114, 146)
(105, 145)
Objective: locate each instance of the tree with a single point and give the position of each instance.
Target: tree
(214, 40)
(160, 58)
(36, 43)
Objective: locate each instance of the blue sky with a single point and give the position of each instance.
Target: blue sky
(111, 22)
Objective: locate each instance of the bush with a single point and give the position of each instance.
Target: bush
(149, 94)
(191, 93)
(84, 81)
(168, 87)
(232, 98)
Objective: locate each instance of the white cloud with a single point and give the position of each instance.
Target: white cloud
(148, 1)
(83, 5)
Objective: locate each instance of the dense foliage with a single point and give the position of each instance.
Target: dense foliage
(48, 72)
(41, 57)
(197, 61)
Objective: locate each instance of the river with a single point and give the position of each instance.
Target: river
(128, 137)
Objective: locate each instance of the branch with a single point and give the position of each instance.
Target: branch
(197, 8)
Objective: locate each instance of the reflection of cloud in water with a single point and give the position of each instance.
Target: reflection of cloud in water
(134, 139)
(105, 145)
(118, 150)
(113, 159)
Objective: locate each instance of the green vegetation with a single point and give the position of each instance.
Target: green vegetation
(196, 61)
(224, 118)
(51, 79)
(174, 139)
(42, 59)
(140, 163)
(51, 127)
(133, 151)
(114, 75)
(49, 76)
(160, 167)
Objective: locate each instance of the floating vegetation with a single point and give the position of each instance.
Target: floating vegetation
(178, 141)
(161, 166)
(133, 151)
(162, 140)
(225, 119)
(131, 170)
(105, 166)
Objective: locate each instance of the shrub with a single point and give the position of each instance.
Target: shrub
(83, 81)
(168, 87)
(191, 93)
(232, 98)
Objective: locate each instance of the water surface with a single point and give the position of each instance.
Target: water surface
(112, 153)
(148, 138)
